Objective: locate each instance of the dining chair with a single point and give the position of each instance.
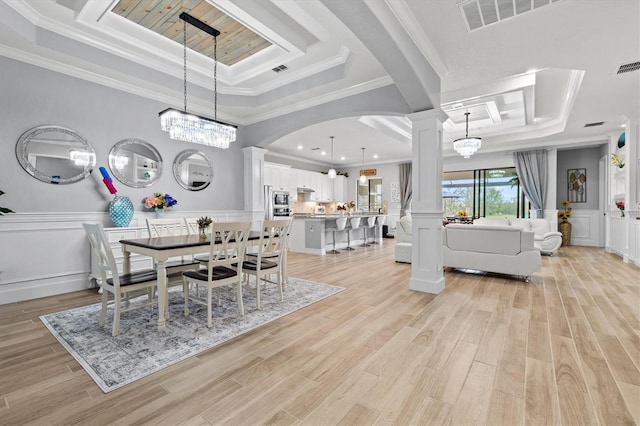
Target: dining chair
(119, 285)
(269, 258)
(227, 248)
(191, 226)
(169, 228)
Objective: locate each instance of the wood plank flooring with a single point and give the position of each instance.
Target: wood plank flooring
(490, 349)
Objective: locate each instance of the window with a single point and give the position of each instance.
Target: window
(370, 195)
(484, 193)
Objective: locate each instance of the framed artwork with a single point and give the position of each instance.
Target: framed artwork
(577, 185)
(395, 192)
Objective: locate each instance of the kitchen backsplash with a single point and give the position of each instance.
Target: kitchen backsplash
(302, 206)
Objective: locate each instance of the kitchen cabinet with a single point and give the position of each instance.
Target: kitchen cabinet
(279, 177)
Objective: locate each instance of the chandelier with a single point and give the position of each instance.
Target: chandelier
(467, 146)
(190, 127)
(332, 172)
(363, 177)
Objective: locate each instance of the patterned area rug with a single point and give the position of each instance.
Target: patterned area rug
(139, 350)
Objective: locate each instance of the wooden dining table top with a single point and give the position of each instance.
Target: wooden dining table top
(178, 241)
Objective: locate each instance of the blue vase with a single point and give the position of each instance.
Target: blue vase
(121, 211)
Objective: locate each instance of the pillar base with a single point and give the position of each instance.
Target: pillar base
(426, 286)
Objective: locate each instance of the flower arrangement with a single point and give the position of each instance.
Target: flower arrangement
(617, 161)
(350, 204)
(157, 201)
(461, 213)
(566, 213)
(204, 222)
(341, 206)
(620, 205)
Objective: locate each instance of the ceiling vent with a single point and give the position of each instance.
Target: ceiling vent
(594, 124)
(280, 68)
(477, 14)
(633, 66)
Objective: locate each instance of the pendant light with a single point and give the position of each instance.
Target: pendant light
(363, 178)
(190, 127)
(332, 172)
(467, 146)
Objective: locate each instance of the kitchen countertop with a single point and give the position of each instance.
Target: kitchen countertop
(332, 216)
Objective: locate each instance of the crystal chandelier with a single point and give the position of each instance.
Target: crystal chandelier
(190, 127)
(332, 172)
(467, 146)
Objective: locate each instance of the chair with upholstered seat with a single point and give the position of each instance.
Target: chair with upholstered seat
(169, 228)
(226, 252)
(270, 256)
(340, 225)
(120, 285)
(354, 224)
(369, 224)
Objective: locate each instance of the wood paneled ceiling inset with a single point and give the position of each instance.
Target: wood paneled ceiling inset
(235, 42)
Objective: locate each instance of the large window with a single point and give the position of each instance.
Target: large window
(484, 193)
(370, 195)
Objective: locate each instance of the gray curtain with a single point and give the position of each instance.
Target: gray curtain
(531, 167)
(405, 188)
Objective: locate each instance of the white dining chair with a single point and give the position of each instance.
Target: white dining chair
(270, 256)
(119, 285)
(226, 252)
(169, 228)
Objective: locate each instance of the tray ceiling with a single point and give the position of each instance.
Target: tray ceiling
(235, 42)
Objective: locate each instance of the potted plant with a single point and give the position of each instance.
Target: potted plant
(203, 224)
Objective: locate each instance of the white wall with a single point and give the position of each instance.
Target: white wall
(584, 158)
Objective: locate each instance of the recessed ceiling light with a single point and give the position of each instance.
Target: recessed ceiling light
(343, 158)
(299, 146)
(375, 155)
(323, 153)
(623, 125)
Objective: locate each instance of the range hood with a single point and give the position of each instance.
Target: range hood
(304, 190)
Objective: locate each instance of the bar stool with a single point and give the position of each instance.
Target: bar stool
(355, 224)
(341, 224)
(371, 222)
(379, 222)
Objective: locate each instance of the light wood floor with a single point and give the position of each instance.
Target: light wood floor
(563, 349)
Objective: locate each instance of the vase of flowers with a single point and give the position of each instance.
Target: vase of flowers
(565, 226)
(617, 161)
(159, 202)
(203, 224)
(350, 205)
(620, 205)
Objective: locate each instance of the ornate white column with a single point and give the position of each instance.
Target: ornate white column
(426, 208)
(254, 182)
(551, 208)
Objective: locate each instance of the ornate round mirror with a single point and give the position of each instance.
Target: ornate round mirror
(135, 163)
(193, 170)
(55, 154)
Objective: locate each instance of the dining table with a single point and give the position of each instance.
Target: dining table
(161, 249)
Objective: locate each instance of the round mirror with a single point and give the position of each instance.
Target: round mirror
(55, 154)
(193, 170)
(135, 163)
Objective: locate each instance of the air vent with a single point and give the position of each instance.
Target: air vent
(280, 68)
(315, 149)
(633, 66)
(477, 14)
(594, 124)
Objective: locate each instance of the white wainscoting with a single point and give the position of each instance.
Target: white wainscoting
(585, 229)
(634, 241)
(45, 254)
(618, 236)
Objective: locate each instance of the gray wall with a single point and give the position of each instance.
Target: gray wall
(583, 158)
(33, 96)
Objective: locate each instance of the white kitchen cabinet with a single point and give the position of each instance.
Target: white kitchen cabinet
(278, 176)
(339, 189)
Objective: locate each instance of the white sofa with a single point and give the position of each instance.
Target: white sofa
(546, 240)
(501, 249)
(403, 239)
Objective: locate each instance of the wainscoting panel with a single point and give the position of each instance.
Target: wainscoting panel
(47, 254)
(634, 241)
(585, 228)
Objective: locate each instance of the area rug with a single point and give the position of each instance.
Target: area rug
(140, 350)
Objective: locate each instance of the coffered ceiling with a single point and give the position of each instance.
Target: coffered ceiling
(531, 79)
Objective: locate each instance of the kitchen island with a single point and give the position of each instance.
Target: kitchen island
(310, 234)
